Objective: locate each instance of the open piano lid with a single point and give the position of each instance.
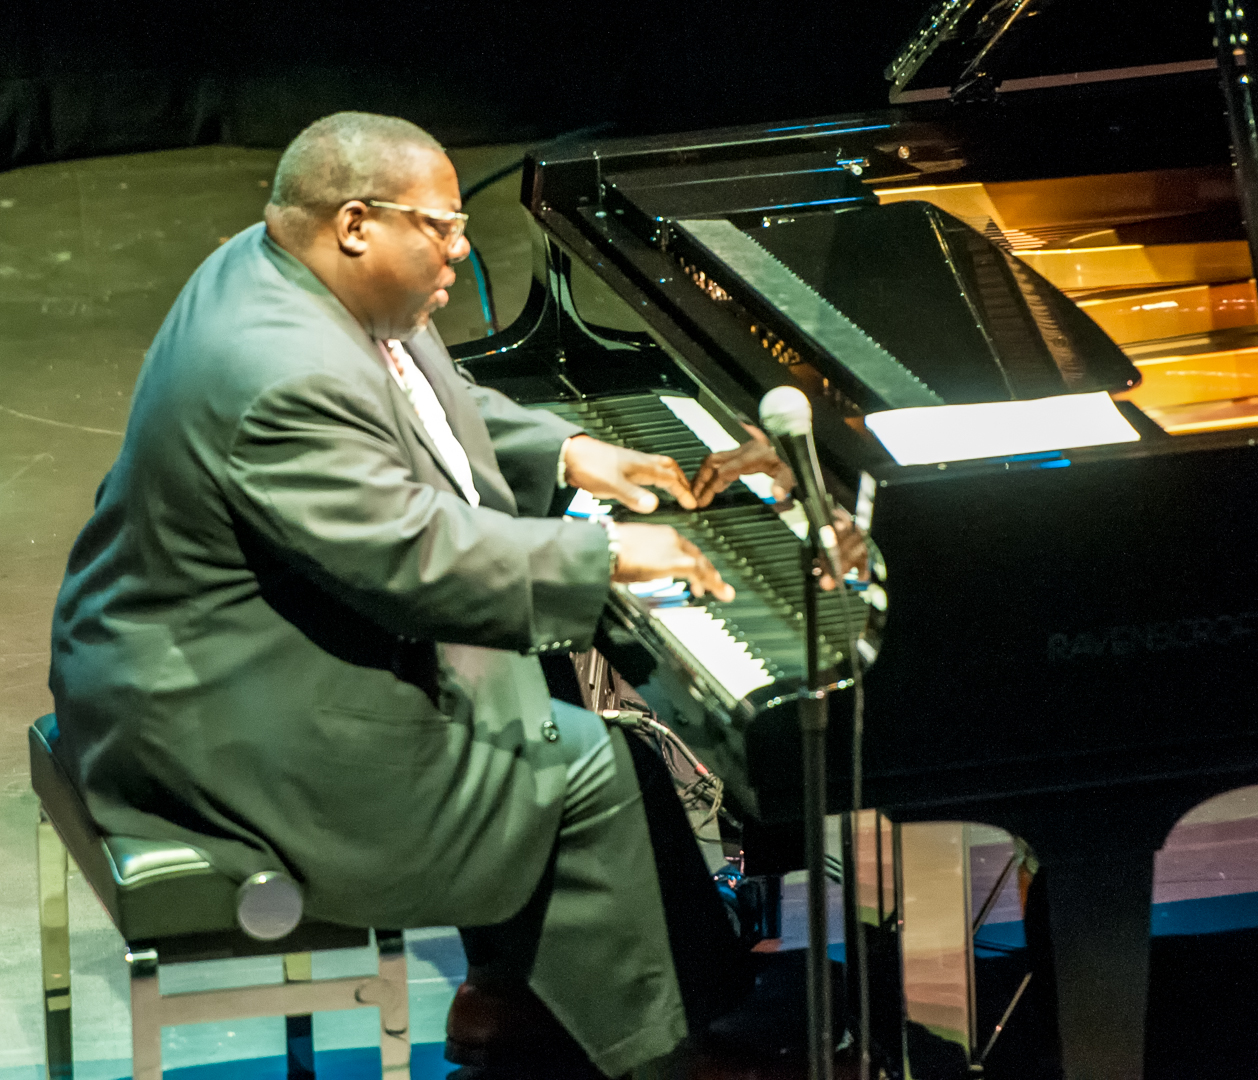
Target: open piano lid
(968, 49)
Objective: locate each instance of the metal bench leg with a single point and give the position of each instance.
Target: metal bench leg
(54, 941)
(395, 1010)
(299, 1030)
(146, 1016)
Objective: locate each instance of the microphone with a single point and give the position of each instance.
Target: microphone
(787, 416)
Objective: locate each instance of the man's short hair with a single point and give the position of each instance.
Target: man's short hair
(348, 155)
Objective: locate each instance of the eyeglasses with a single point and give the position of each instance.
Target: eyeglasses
(455, 223)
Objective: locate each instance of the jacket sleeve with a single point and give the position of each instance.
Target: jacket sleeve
(313, 469)
(527, 444)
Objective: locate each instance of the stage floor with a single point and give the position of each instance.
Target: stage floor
(92, 253)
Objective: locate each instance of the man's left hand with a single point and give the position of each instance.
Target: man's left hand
(756, 455)
(853, 551)
(615, 472)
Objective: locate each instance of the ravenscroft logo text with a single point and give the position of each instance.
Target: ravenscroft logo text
(1156, 637)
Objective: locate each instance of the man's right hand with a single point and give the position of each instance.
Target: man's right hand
(648, 552)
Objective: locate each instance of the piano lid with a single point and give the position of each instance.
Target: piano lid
(979, 48)
(801, 305)
(902, 306)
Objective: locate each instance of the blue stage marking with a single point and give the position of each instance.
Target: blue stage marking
(358, 1063)
(826, 127)
(1039, 455)
(1177, 918)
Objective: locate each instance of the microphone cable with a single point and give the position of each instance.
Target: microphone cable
(858, 764)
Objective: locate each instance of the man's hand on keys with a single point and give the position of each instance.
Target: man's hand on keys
(756, 455)
(853, 552)
(648, 552)
(615, 472)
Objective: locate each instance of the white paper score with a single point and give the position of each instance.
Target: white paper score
(996, 429)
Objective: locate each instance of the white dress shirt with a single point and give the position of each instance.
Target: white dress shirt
(422, 396)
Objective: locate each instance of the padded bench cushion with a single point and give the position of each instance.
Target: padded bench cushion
(159, 891)
(134, 862)
(151, 888)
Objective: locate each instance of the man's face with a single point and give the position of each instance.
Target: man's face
(406, 267)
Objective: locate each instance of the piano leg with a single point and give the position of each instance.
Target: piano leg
(1098, 914)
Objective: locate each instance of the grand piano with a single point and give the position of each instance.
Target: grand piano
(1064, 645)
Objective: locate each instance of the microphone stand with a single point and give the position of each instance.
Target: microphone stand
(814, 715)
(787, 416)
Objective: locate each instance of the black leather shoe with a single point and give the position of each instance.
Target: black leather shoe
(501, 1029)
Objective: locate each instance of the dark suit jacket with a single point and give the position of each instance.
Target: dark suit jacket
(286, 638)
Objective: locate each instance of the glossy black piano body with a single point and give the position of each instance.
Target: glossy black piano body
(1071, 642)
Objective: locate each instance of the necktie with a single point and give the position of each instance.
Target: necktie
(424, 400)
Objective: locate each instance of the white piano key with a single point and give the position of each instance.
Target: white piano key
(658, 588)
(708, 430)
(726, 660)
(706, 427)
(761, 484)
(585, 505)
(796, 520)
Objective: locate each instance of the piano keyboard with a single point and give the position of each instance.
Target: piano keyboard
(751, 650)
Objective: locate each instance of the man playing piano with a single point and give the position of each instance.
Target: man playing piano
(301, 630)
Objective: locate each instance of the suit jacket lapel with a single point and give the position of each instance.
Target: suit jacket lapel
(404, 410)
(431, 357)
(296, 272)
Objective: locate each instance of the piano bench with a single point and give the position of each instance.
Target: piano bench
(172, 906)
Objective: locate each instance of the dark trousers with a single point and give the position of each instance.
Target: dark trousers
(713, 972)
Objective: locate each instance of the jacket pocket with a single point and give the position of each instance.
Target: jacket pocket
(374, 693)
(361, 749)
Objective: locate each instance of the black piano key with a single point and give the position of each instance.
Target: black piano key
(747, 542)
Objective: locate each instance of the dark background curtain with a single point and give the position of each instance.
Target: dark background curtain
(84, 79)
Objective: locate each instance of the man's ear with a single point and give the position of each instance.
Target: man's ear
(349, 221)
